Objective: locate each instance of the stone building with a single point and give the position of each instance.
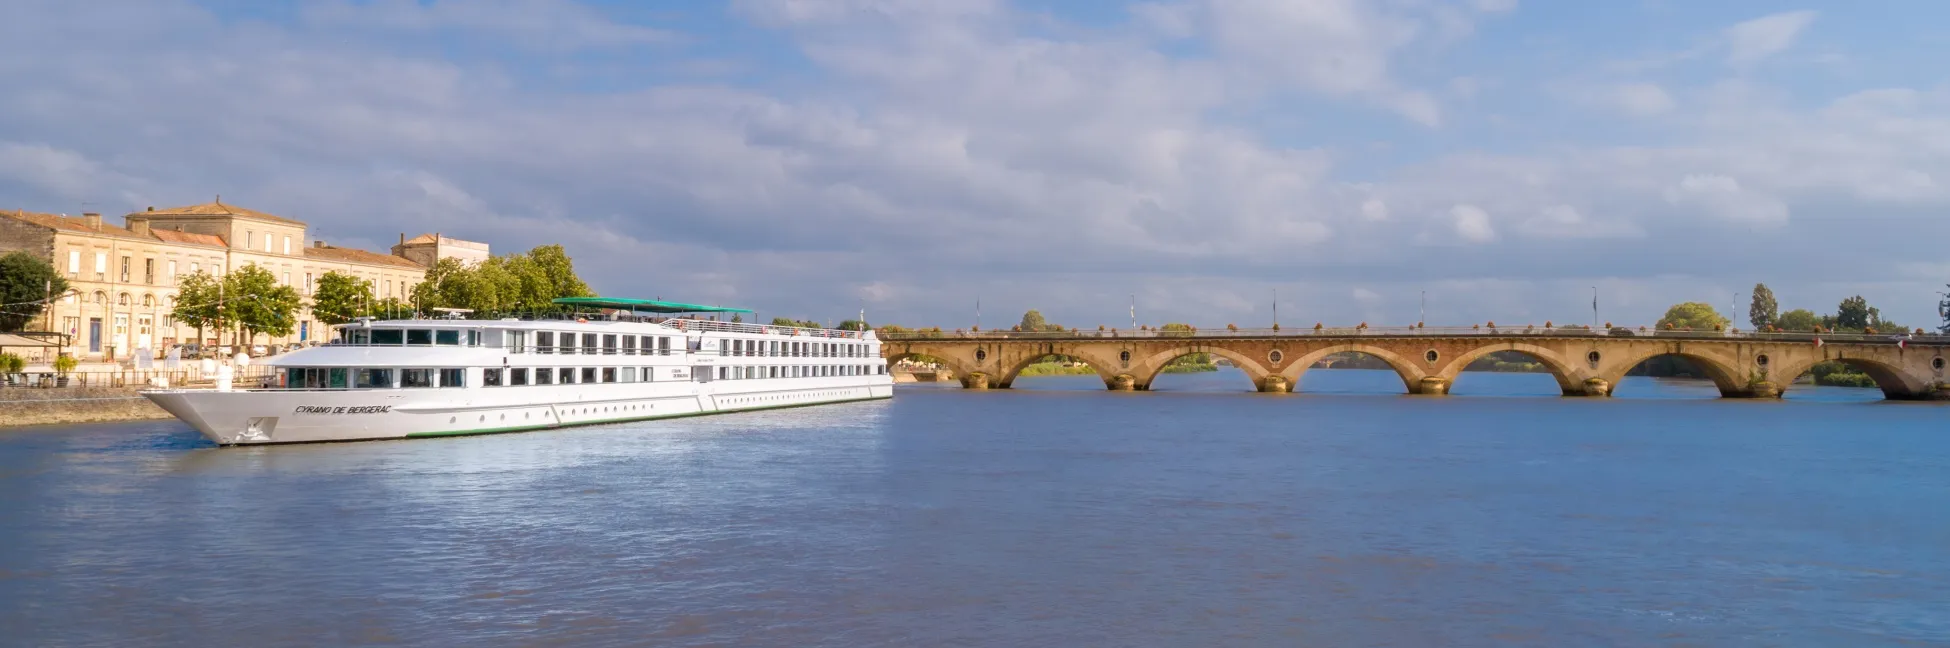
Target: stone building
(427, 248)
(123, 279)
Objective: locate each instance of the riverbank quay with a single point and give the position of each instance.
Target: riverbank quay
(23, 407)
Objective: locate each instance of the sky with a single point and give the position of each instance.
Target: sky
(1363, 160)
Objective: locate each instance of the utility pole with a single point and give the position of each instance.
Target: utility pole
(1594, 308)
(1133, 311)
(1276, 308)
(1422, 316)
(978, 313)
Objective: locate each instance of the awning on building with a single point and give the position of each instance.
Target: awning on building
(11, 340)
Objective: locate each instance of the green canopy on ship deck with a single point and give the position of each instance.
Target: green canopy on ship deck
(644, 305)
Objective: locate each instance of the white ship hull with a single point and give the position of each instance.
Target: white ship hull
(249, 417)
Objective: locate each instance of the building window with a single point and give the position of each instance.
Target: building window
(101, 266)
(125, 269)
(149, 271)
(195, 267)
(308, 289)
(267, 241)
(74, 262)
(248, 235)
(287, 279)
(287, 245)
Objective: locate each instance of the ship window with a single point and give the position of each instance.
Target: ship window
(375, 378)
(701, 374)
(412, 378)
(419, 337)
(455, 377)
(447, 337)
(629, 373)
(588, 374)
(565, 375)
(336, 379)
(543, 376)
(646, 343)
(517, 377)
(474, 339)
(722, 373)
(544, 342)
(663, 346)
(629, 345)
(609, 345)
(609, 374)
(589, 344)
(566, 342)
(387, 337)
(648, 375)
(490, 377)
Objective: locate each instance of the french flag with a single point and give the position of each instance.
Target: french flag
(1817, 343)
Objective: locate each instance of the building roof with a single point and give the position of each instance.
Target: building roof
(173, 236)
(72, 224)
(644, 305)
(350, 255)
(218, 209)
(422, 239)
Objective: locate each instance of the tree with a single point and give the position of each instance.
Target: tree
(787, 321)
(1033, 320)
(26, 284)
(1800, 320)
(199, 303)
(1764, 312)
(852, 325)
(1853, 313)
(1698, 316)
(340, 298)
(258, 304)
(545, 273)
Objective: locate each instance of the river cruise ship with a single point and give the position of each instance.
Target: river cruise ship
(632, 359)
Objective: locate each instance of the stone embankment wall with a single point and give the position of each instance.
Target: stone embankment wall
(74, 405)
(931, 375)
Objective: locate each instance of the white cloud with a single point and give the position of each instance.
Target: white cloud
(1373, 209)
(541, 24)
(1472, 224)
(1755, 40)
(1642, 99)
(1722, 197)
(1566, 222)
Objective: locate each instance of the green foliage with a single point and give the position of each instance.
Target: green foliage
(787, 321)
(1799, 320)
(1033, 321)
(65, 364)
(1853, 313)
(852, 325)
(501, 286)
(1836, 374)
(10, 363)
(1764, 312)
(26, 278)
(258, 304)
(199, 302)
(1056, 365)
(1176, 329)
(340, 298)
(1697, 316)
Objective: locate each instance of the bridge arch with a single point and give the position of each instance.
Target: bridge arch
(954, 362)
(1013, 368)
(1410, 373)
(1155, 363)
(1893, 380)
(1569, 378)
(1726, 374)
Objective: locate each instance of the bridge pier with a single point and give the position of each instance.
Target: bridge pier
(1275, 384)
(1123, 382)
(1756, 389)
(976, 380)
(1431, 386)
(1592, 388)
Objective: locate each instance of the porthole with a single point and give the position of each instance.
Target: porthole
(1431, 356)
(1937, 363)
(981, 355)
(1124, 357)
(1275, 356)
(1592, 359)
(1761, 360)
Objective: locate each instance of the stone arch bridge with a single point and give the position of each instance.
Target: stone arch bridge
(1584, 362)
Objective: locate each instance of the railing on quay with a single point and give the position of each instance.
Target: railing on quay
(1418, 331)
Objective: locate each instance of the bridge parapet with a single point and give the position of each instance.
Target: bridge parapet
(1428, 360)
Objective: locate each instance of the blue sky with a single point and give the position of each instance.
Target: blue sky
(814, 157)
